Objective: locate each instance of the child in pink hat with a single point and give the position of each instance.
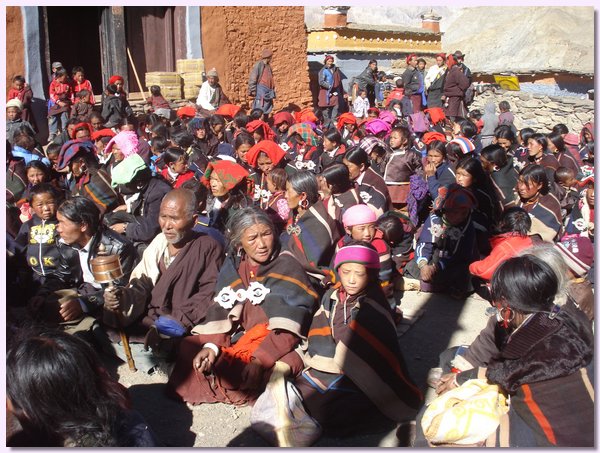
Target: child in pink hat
(360, 225)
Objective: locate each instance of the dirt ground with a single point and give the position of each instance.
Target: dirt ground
(433, 322)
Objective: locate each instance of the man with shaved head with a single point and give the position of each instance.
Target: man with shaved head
(172, 287)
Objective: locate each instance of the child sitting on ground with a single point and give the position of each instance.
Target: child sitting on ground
(398, 239)
(22, 91)
(581, 220)
(158, 104)
(14, 121)
(401, 165)
(37, 173)
(176, 170)
(38, 236)
(566, 189)
(578, 253)
(277, 204)
(346, 383)
(360, 225)
(113, 108)
(83, 106)
(159, 145)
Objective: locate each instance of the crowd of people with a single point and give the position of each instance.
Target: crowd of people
(250, 239)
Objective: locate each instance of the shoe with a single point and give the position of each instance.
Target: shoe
(406, 434)
(433, 377)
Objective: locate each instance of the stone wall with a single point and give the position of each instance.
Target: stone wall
(233, 38)
(540, 112)
(15, 48)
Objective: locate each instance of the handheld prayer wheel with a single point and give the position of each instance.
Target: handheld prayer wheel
(106, 268)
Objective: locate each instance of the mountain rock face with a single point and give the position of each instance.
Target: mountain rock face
(499, 39)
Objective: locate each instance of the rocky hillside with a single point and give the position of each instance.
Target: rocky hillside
(499, 39)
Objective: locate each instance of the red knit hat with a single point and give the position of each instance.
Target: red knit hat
(410, 55)
(270, 148)
(230, 173)
(587, 180)
(113, 79)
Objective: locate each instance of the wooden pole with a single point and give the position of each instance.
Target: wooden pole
(137, 77)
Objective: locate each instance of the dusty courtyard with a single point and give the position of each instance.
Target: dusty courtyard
(433, 323)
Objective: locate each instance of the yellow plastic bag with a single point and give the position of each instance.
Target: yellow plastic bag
(466, 415)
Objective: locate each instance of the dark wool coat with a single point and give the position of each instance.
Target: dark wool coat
(504, 182)
(326, 90)
(455, 86)
(546, 218)
(543, 368)
(312, 240)
(183, 291)
(146, 209)
(285, 310)
(411, 80)
(546, 369)
(363, 346)
(374, 192)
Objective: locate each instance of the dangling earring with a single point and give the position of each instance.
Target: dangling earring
(507, 315)
(304, 204)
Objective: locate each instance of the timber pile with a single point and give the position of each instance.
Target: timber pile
(192, 73)
(169, 83)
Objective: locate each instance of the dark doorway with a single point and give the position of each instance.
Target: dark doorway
(150, 37)
(74, 40)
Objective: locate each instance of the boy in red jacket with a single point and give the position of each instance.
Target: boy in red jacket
(81, 83)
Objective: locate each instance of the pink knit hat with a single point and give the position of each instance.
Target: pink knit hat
(127, 141)
(357, 254)
(359, 214)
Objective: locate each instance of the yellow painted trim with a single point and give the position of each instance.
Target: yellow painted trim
(371, 41)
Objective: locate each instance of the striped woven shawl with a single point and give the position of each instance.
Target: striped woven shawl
(367, 352)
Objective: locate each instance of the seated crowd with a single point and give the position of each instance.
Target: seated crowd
(248, 240)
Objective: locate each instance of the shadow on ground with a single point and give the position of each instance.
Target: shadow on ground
(171, 420)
